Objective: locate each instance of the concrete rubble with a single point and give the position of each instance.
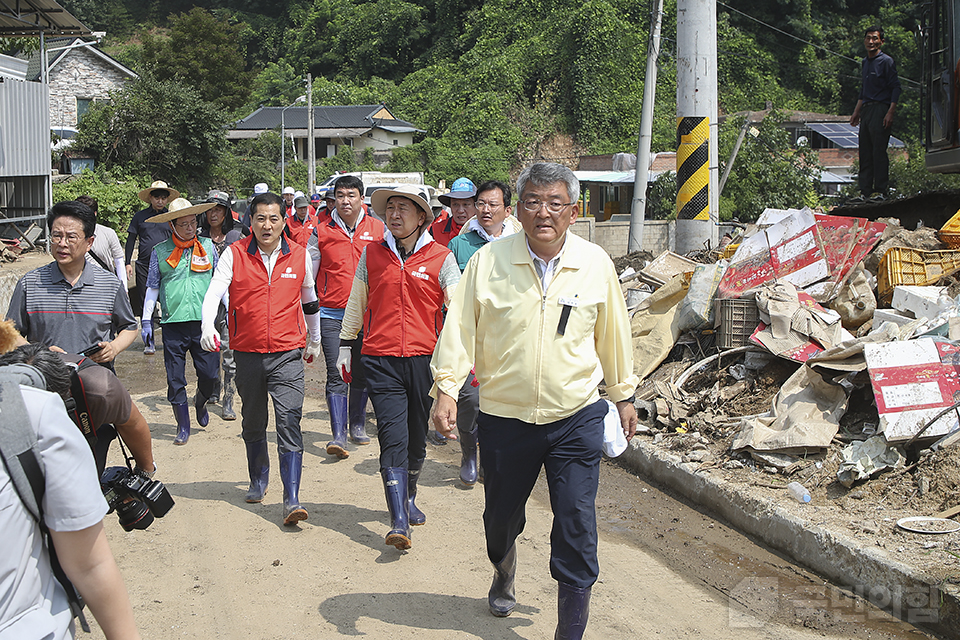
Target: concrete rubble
(869, 350)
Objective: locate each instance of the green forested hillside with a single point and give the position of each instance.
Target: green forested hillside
(498, 82)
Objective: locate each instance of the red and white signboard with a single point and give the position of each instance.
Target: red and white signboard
(913, 381)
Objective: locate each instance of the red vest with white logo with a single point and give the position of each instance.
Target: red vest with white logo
(444, 229)
(405, 303)
(339, 255)
(265, 314)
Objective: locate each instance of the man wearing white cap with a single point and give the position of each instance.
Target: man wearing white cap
(289, 194)
(149, 234)
(462, 202)
(181, 268)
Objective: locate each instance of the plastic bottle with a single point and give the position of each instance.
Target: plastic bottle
(798, 493)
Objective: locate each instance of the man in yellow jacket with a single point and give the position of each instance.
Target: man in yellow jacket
(543, 317)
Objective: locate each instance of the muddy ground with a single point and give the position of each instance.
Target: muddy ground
(218, 567)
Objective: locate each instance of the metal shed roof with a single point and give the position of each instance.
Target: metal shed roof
(36, 18)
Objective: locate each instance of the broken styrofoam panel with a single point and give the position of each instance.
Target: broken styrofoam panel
(913, 381)
(772, 216)
(921, 302)
(890, 315)
(667, 265)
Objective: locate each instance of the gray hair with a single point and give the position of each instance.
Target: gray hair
(546, 173)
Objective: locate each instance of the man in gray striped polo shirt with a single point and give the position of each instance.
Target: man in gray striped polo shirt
(69, 303)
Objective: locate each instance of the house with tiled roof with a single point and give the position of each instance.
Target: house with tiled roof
(356, 126)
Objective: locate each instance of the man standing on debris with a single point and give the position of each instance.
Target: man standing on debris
(492, 222)
(874, 113)
(149, 235)
(273, 307)
(335, 249)
(543, 317)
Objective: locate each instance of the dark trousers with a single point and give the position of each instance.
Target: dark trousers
(468, 406)
(330, 343)
(139, 291)
(873, 140)
(512, 455)
(399, 389)
(178, 339)
(281, 376)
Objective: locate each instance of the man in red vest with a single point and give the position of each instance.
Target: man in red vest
(273, 304)
(335, 247)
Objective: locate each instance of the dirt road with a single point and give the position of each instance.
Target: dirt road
(216, 567)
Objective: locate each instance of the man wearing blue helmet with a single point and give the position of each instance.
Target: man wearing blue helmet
(462, 206)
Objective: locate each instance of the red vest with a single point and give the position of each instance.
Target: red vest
(300, 232)
(339, 255)
(265, 316)
(404, 312)
(444, 229)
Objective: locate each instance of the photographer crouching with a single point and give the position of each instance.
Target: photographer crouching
(102, 408)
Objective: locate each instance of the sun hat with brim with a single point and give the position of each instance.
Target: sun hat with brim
(158, 185)
(379, 199)
(461, 189)
(179, 208)
(288, 190)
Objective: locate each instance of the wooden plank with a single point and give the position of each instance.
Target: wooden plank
(949, 513)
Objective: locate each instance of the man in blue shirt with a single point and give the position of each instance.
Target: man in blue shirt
(874, 113)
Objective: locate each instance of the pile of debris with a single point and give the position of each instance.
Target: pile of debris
(821, 348)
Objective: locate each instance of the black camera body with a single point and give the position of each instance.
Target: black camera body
(136, 498)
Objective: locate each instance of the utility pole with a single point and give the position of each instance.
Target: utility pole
(639, 208)
(311, 142)
(697, 162)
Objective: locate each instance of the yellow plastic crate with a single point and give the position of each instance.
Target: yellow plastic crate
(729, 250)
(901, 265)
(950, 232)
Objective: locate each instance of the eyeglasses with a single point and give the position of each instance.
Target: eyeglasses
(534, 206)
(482, 204)
(190, 224)
(72, 238)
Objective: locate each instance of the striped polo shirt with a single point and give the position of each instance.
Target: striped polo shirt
(46, 308)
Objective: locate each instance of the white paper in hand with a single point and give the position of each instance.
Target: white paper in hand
(614, 442)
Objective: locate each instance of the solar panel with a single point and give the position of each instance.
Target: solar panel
(843, 134)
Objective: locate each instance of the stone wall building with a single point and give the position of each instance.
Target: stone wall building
(79, 75)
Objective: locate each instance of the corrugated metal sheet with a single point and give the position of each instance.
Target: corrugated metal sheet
(24, 129)
(23, 197)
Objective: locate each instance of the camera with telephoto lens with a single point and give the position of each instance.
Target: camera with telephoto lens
(135, 497)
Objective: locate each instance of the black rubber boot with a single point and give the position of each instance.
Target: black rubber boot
(337, 405)
(291, 464)
(200, 404)
(182, 413)
(468, 456)
(258, 466)
(226, 409)
(502, 598)
(395, 487)
(358, 416)
(416, 516)
(573, 609)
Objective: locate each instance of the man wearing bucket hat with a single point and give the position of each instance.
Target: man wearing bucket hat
(149, 234)
(181, 268)
(398, 294)
(335, 249)
(461, 200)
(541, 316)
(273, 316)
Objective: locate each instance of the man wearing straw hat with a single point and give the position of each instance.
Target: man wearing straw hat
(179, 275)
(149, 234)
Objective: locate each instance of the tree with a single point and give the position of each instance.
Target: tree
(158, 127)
(201, 51)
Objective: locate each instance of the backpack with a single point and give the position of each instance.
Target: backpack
(21, 457)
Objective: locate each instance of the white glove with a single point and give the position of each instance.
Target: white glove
(343, 364)
(313, 351)
(210, 339)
